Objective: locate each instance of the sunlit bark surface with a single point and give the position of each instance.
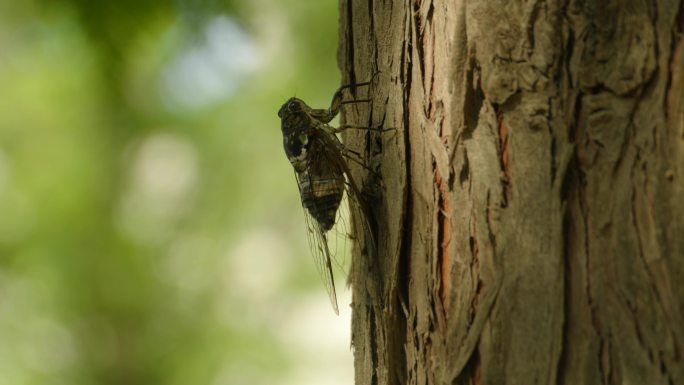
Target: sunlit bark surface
(530, 222)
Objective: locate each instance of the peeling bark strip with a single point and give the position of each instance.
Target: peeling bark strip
(530, 225)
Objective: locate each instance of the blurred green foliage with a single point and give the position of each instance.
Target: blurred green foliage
(150, 227)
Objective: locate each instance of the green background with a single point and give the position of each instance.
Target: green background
(150, 225)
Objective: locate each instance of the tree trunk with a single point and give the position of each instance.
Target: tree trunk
(530, 225)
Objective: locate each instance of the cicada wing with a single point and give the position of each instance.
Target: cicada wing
(339, 237)
(320, 250)
(357, 203)
(359, 212)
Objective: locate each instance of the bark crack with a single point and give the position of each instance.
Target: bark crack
(419, 31)
(504, 157)
(603, 366)
(350, 42)
(444, 231)
(473, 98)
(404, 261)
(567, 292)
(373, 346)
(474, 265)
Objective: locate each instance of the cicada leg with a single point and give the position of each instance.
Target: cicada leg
(356, 158)
(326, 115)
(348, 127)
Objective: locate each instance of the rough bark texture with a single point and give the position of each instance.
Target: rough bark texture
(530, 228)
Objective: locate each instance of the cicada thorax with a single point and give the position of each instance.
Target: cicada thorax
(297, 130)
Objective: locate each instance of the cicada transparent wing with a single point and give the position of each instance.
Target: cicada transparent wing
(330, 245)
(322, 186)
(318, 238)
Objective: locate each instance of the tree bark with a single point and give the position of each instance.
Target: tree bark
(530, 225)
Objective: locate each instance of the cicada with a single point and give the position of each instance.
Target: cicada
(320, 162)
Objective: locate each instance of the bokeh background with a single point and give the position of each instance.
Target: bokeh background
(150, 225)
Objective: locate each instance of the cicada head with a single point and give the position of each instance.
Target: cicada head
(292, 106)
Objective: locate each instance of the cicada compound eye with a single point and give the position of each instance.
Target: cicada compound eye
(292, 106)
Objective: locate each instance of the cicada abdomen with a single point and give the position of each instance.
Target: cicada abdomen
(321, 191)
